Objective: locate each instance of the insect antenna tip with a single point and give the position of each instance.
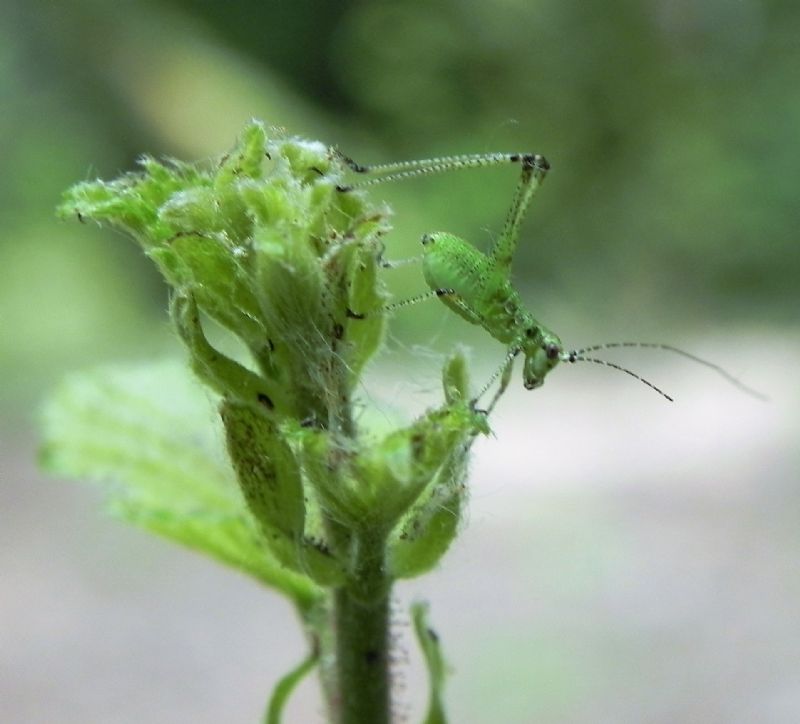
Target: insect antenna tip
(576, 356)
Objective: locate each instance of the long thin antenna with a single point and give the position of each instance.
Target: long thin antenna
(576, 357)
(669, 348)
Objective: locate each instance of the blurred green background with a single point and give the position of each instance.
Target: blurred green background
(670, 214)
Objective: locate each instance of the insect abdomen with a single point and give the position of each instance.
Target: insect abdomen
(450, 263)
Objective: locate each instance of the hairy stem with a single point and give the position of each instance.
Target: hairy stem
(361, 618)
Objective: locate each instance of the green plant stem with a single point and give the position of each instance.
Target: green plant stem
(361, 616)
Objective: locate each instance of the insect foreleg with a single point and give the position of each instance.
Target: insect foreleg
(504, 372)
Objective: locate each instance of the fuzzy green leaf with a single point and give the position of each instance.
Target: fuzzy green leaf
(215, 274)
(148, 434)
(425, 533)
(407, 475)
(284, 688)
(270, 478)
(364, 336)
(224, 375)
(434, 661)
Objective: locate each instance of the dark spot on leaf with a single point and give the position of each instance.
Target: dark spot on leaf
(417, 444)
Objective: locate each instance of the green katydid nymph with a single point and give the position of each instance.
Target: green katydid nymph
(478, 287)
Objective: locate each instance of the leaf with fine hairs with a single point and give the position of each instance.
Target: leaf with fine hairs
(150, 435)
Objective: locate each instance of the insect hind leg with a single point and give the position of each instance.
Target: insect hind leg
(409, 169)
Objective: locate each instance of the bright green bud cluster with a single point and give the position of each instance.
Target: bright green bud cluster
(266, 242)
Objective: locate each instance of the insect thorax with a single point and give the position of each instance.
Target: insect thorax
(504, 316)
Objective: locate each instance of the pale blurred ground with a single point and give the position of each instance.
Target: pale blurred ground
(624, 560)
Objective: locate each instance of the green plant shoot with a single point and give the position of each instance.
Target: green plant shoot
(261, 245)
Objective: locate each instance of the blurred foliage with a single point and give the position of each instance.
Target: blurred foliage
(671, 126)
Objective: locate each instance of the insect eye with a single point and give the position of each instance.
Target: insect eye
(552, 351)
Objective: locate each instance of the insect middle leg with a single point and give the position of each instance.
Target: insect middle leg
(424, 297)
(384, 263)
